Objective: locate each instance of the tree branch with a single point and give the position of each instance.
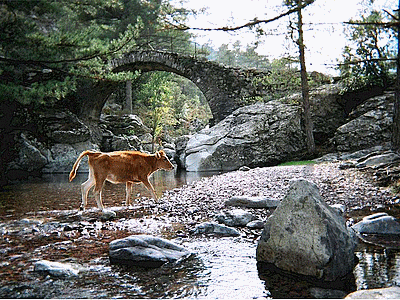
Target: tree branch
(366, 60)
(383, 24)
(72, 60)
(248, 24)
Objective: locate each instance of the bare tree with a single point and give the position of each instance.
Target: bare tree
(396, 113)
(305, 91)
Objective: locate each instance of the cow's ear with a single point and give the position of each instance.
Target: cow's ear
(158, 155)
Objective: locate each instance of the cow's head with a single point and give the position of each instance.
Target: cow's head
(163, 161)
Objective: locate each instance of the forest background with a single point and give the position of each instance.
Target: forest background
(49, 48)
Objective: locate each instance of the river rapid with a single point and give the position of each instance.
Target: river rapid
(40, 220)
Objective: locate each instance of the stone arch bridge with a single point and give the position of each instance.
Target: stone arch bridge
(225, 88)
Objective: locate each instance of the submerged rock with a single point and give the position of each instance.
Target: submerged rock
(145, 251)
(307, 237)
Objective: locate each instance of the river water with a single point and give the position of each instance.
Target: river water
(221, 267)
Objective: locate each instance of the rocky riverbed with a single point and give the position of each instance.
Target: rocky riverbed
(83, 238)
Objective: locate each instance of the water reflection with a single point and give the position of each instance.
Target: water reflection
(55, 192)
(221, 268)
(377, 268)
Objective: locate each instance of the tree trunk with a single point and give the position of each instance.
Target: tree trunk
(308, 124)
(396, 113)
(129, 96)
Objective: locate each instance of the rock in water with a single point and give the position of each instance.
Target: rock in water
(307, 237)
(236, 217)
(145, 251)
(252, 202)
(384, 293)
(55, 269)
(210, 228)
(379, 223)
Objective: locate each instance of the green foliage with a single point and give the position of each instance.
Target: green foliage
(365, 63)
(236, 57)
(71, 38)
(298, 163)
(283, 79)
(169, 103)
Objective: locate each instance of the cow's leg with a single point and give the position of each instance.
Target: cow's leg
(97, 192)
(128, 193)
(149, 187)
(85, 188)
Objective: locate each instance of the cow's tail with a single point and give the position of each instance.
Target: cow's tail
(72, 174)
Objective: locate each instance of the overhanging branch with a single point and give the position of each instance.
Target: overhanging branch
(246, 25)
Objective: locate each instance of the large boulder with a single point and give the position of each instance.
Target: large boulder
(307, 237)
(370, 125)
(257, 135)
(145, 251)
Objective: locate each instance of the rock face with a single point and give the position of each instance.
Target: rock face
(145, 251)
(369, 125)
(307, 237)
(257, 135)
(327, 110)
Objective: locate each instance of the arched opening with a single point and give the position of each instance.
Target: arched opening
(169, 105)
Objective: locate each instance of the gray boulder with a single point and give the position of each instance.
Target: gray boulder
(145, 251)
(384, 293)
(307, 237)
(215, 229)
(55, 269)
(252, 202)
(235, 218)
(257, 135)
(379, 223)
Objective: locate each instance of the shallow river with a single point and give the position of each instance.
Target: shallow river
(220, 268)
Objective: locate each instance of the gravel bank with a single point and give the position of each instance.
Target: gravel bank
(203, 199)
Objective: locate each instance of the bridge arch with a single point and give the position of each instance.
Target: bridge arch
(225, 88)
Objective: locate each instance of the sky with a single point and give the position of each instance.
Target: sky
(323, 31)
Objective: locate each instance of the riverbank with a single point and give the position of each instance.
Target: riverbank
(66, 235)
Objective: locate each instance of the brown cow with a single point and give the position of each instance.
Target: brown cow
(119, 167)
